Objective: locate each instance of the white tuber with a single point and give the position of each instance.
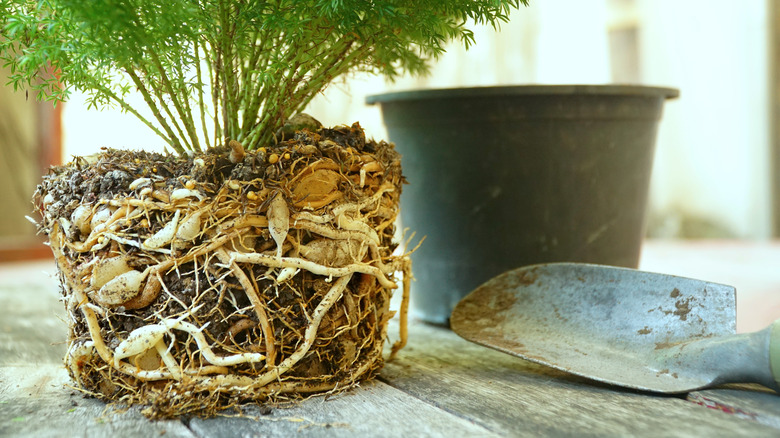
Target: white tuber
(65, 225)
(286, 274)
(163, 236)
(48, 200)
(106, 270)
(185, 193)
(100, 217)
(140, 182)
(278, 221)
(140, 340)
(149, 336)
(80, 219)
(122, 288)
(189, 227)
(345, 222)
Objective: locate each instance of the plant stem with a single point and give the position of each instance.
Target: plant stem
(171, 138)
(201, 99)
(182, 109)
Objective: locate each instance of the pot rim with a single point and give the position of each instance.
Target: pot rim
(525, 90)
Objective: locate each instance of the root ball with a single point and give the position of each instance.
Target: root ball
(195, 283)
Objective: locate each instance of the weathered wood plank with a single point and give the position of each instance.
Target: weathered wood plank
(751, 403)
(510, 396)
(35, 403)
(440, 385)
(32, 328)
(373, 410)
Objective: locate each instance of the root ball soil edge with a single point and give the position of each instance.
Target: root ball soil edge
(196, 283)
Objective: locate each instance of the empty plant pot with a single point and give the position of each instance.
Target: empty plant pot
(502, 177)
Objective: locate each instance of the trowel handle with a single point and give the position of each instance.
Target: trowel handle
(774, 350)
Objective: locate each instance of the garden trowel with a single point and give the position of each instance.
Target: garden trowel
(621, 326)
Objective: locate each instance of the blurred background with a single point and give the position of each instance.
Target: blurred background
(718, 152)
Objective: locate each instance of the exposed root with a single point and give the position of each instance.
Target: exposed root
(194, 284)
(404, 310)
(257, 304)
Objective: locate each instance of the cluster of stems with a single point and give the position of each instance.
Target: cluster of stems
(211, 71)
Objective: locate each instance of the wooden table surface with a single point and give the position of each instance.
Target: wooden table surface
(438, 386)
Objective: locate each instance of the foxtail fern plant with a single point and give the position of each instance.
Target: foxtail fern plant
(211, 70)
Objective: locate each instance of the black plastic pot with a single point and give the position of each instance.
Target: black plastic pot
(502, 177)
